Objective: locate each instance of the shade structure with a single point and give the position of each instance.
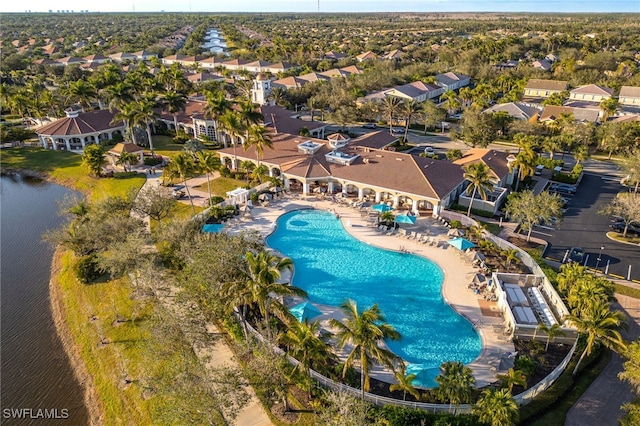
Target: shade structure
(305, 310)
(475, 256)
(455, 232)
(479, 278)
(461, 243)
(381, 208)
(404, 218)
(425, 375)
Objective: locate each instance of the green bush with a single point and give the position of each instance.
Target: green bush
(87, 269)
(215, 200)
(152, 161)
(455, 224)
(124, 175)
(463, 209)
(550, 164)
(403, 416)
(225, 172)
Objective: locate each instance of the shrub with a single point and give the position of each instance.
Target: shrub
(455, 224)
(124, 175)
(87, 269)
(181, 137)
(152, 161)
(215, 200)
(463, 209)
(225, 172)
(548, 163)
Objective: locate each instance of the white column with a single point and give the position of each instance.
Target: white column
(286, 182)
(436, 209)
(396, 199)
(330, 187)
(378, 196)
(305, 188)
(83, 143)
(270, 172)
(43, 141)
(344, 188)
(68, 144)
(414, 207)
(360, 193)
(54, 144)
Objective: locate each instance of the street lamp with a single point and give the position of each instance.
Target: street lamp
(599, 257)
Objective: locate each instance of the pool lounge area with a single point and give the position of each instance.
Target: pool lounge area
(489, 325)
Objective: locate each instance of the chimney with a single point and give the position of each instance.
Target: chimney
(273, 120)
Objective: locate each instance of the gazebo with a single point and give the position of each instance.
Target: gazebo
(238, 195)
(120, 148)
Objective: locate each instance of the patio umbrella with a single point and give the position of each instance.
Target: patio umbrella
(455, 232)
(305, 310)
(475, 256)
(403, 218)
(382, 208)
(425, 375)
(479, 278)
(461, 243)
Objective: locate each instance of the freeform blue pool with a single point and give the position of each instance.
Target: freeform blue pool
(332, 266)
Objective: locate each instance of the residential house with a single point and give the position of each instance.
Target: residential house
(581, 115)
(122, 56)
(629, 96)
(416, 91)
(71, 60)
(280, 67)
(143, 55)
(538, 88)
(257, 66)
(96, 59)
(591, 93)
(517, 110)
(394, 55)
(542, 64)
(335, 56)
(366, 56)
(452, 81)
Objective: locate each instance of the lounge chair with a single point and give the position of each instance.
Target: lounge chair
(392, 231)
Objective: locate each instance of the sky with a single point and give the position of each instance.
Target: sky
(327, 6)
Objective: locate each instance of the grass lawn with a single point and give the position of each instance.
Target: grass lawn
(164, 145)
(65, 168)
(494, 228)
(220, 186)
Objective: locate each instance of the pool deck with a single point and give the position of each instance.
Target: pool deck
(457, 274)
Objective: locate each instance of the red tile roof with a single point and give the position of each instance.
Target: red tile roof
(84, 123)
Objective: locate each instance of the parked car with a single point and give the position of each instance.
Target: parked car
(456, 116)
(576, 254)
(632, 229)
(397, 131)
(563, 188)
(370, 125)
(429, 150)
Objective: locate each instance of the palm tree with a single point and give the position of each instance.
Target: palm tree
(173, 102)
(217, 105)
(365, 331)
(609, 107)
(278, 95)
(146, 115)
(570, 274)
(455, 382)
(259, 138)
(390, 106)
(478, 176)
(81, 92)
(208, 162)
(451, 102)
(230, 122)
(510, 255)
(118, 95)
(552, 332)
(126, 159)
(496, 407)
(405, 384)
(409, 109)
(526, 162)
(303, 343)
(263, 271)
(512, 378)
(181, 166)
(599, 325)
(127, 114)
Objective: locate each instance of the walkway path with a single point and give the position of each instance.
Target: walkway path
(600, 404)
(214, 353)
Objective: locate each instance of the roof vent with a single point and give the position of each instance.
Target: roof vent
(378, 155)
(399, 159)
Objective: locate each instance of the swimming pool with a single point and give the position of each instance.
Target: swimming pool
(332, 266)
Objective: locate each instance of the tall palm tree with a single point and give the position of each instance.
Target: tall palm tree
(231, 124)
(552, 332)
(258, 137)
(409, 109)
(216, 106)
(404, 383)
(173, 102)
(181, 166)
(496, 407)
(512, 378)
(365, 331)
(599, 325)
(570, 274)
(81, 92)
(145, 116)
(479, 181)
(390, 107)
(118, 95)
(127, 114)
(249, 116)
(510, 255)
(455, 382)
(263, 271)
(609, 107)
(209, 163)
(303, 343)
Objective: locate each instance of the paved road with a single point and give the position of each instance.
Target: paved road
(584, 227)
(600, 404)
